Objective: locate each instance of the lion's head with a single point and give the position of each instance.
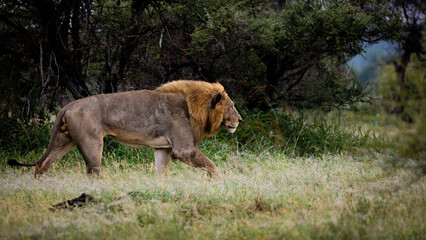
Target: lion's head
(209, 106)
(231, 117)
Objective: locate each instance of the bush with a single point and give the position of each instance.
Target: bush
(411, 99)
(294, 134)
(24, 136)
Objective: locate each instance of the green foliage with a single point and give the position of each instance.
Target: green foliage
(303, 134)
(411, 98)
(297, 134)
(20, 136)
(263, 52)
(292, 134)
(290, 54)
(331, 87)
(116, 152)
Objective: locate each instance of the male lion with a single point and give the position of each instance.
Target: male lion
(173, 119)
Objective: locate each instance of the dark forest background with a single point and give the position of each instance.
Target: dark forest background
(266, 53)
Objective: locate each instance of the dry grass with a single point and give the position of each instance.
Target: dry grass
(266, 196)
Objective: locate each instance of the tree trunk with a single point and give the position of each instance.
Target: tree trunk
(67, 57)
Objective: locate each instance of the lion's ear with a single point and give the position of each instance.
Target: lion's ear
(216, 99)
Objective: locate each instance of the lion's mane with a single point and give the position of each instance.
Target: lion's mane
(205, 119)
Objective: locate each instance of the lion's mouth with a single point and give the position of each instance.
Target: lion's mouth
(231, 128)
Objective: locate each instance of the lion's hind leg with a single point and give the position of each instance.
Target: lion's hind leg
(60, 146)
(86, 130)
(91, 149)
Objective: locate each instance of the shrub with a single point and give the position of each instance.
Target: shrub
(295, 134)
(24, 136)
(411, 98)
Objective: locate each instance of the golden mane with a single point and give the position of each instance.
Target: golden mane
(199, 95)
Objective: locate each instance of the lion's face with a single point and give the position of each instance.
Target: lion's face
(231, 117)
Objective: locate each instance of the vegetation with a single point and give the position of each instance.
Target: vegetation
(312, 159)
(264, 52)
(266, 190)
(411, 100)
(268, 195)
(298, 134)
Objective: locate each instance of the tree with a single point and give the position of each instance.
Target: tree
(410, 42)
(264, 52)
(279, 51)
(43, 38)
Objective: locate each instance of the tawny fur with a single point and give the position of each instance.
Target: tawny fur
(205, 120)
(173, 120)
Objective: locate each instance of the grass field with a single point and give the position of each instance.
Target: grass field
(257, 197)
(266, 195)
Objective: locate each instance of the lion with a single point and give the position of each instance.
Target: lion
(173, 119)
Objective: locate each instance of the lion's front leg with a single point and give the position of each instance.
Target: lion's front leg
(185, 147)
(162, 160)
(195, 158)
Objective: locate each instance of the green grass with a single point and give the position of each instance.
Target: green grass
(267, 188)
(310, 133)
(258, 196)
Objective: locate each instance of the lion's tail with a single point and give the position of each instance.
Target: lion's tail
(13, 162)
(55, 130)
